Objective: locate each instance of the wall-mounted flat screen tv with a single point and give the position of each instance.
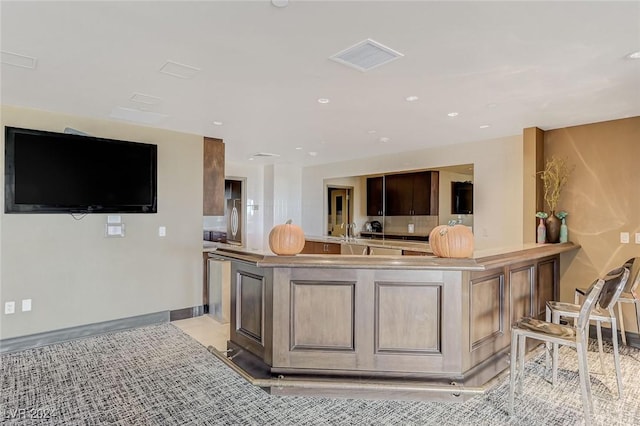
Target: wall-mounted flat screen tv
(47, 172)
(461, 197)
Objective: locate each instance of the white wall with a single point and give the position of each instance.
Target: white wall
(498, 166)
(75, 275)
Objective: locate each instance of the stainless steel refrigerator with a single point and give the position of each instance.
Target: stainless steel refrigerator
(234, 221)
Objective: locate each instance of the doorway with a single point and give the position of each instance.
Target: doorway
(339, 210)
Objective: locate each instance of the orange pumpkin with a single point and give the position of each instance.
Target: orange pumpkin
(287, 239)
(451, 241)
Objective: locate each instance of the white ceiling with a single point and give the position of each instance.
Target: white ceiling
(510, 65)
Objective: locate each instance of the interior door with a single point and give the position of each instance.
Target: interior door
(340, 212)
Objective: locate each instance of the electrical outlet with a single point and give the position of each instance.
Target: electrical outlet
(162, 231)
(624, 237)
(9, 307)
(637, 237)
(26, 305)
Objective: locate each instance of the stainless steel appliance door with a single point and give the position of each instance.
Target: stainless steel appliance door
(234, 221)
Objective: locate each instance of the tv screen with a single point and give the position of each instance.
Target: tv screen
(47, 172)
(461, 198)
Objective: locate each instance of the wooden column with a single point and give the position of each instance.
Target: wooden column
(533, 200)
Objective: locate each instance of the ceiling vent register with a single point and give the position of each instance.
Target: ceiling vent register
(366, 55)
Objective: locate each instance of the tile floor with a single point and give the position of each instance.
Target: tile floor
(206, 330)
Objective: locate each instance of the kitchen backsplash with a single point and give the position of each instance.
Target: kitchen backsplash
(422, 225)
(214, 223)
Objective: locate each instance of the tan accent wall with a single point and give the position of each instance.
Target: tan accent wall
(602, 198)
(76, 276)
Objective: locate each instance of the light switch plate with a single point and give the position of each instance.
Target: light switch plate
(114, 230)
(162, 231)
(114, 219)
(9, 307)
(637, 237)
(624, 237)
(26, 305)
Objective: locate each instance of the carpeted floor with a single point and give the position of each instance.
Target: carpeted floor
(160, 376)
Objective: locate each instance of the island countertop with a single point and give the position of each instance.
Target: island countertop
(482, 259)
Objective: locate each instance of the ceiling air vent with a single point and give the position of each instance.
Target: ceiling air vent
(265, 154)
(366, 55)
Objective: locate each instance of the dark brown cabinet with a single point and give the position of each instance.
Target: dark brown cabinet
(375, 196)
(316, 247)
(409, 194)
(213, 177)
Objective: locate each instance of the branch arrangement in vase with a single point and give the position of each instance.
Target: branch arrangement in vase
(554, 177)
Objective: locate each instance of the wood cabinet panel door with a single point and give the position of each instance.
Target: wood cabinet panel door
(375, 199)
(399, 194)
(421, 193)
(213, 177)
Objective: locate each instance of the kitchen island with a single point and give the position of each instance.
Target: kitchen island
(417, 327)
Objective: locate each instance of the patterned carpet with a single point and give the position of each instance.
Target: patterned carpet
(158, 375)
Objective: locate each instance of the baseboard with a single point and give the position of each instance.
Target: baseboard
(58, 336)
(633, 339)
(179, 314)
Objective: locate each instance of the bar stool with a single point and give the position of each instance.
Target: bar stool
(630, 294)
(603, 312)
(576, 337)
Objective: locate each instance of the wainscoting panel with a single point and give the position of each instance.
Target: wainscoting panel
(546, 286)
(322, 315)
(521, 281)
(408, 318)
(250, 295)
(487, 309)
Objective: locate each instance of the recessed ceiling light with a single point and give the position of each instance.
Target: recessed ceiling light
(280, 3)
(634, 55)
(484, 126)
(298, 148)
(323, 100)
(384, 139)
(453, 114)
(411, 98)
(250, 158)
(372, 132)
(217, 123)
(313, 153)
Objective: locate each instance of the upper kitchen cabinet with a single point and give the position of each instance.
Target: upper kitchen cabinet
(411, 194)
(375, 196)
(213, 177)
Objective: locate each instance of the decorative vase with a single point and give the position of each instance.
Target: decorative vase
(542, 232)
(564, 232)
(553, 228)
